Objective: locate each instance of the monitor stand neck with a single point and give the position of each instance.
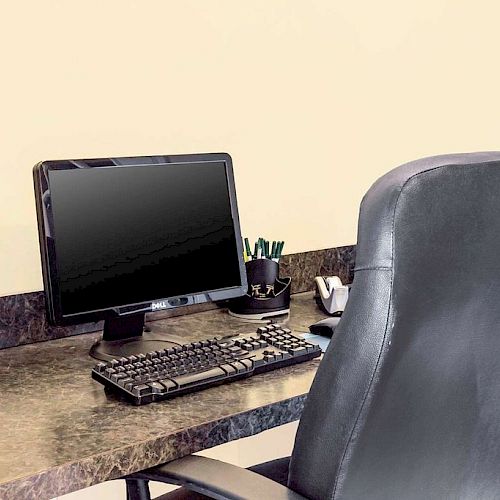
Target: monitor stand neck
(125, 336)
(124, 327)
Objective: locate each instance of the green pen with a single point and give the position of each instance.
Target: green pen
(273, 250)
(247, 246)
(279, 250)
(254, 256)
(262, 248)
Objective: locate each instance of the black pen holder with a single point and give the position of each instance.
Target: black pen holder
(267, 294)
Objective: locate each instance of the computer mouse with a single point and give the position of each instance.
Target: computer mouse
(325, 327)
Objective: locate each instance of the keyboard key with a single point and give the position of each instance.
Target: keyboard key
(168, 384)
(295, 351)
(157, 388)
(259, 362)
(141, 390)
(240, 366)
(124, 381)
(195, 378)
(117, 376)
(229, 369)
(240, 350)
(247, 362)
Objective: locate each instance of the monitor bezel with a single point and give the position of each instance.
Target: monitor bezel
(47, 248)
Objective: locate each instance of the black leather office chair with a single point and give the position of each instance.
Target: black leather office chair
(406, 402)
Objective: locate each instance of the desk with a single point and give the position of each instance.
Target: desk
(61, 432)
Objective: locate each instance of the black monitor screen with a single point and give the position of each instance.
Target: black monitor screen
(131, 234)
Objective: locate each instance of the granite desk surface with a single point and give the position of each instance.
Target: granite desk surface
(62, 432)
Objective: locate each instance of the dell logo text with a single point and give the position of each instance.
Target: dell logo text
(155, 306)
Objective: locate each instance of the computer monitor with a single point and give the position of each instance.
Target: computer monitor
(120, 237)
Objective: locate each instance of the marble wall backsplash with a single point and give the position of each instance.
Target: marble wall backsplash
(23, 321)
(304, 267)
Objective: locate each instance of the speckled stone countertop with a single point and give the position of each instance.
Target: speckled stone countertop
(61, 432)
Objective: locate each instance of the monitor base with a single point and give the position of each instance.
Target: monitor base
(125, 336)
(107, 350)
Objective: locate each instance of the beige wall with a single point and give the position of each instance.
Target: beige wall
(314, 100)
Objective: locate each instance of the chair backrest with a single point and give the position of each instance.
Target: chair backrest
(406, 402)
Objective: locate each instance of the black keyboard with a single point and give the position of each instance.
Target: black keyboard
(157, 375)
